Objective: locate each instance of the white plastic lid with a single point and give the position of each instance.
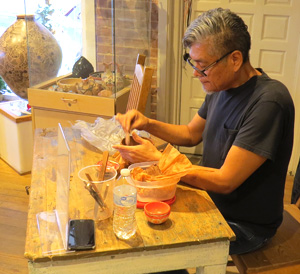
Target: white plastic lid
(125, 172)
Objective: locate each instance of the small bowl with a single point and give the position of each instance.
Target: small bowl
(157, 209)
(157, 220)
(69, 84)
(133, 142)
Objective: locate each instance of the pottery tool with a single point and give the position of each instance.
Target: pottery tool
(106, 191)
(127, 139)
(92, 188)
(94, 194)
(102, 171)
(103, 166)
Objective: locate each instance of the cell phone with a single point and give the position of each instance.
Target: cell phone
(81, 234)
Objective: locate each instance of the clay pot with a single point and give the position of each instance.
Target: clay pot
(133, 142)
(29, 55)
(96, 76)
(88, 87)
(69, 84)
(110, 79)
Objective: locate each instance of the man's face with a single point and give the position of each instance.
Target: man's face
(219, 76)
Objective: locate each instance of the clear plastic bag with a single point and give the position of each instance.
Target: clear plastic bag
(103, 133)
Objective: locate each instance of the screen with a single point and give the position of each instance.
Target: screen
(81, 234)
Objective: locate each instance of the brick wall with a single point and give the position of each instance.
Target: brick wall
(135, 32)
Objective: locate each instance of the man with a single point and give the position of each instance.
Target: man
(246, 125)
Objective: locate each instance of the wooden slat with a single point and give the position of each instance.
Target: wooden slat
(141, 86)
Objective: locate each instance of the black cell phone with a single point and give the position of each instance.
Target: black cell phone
(81, 234)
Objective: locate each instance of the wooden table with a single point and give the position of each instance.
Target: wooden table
(196, 234)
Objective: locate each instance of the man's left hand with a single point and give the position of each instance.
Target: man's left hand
(145, 151)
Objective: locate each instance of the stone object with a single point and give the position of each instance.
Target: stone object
(29, 55)
(82, 68)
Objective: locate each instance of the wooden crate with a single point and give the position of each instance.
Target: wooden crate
(49, 108)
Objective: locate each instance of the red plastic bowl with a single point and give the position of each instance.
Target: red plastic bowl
(157, 220)
(157, 209)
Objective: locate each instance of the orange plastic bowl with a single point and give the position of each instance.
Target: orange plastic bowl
(157, 220)
(157, 209)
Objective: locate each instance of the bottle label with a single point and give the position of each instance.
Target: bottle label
(128, 200)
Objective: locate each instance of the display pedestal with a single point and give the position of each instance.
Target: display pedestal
(16, 137)
(52, 107)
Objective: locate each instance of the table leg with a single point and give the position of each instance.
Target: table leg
(211, 269)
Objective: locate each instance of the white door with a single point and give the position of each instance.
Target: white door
(274, 28)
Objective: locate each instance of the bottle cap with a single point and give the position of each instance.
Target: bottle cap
(125, 172)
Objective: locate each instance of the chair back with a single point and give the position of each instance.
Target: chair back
(141, 85)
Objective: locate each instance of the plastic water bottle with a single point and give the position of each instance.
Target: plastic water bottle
(125, 172)
(124, 222)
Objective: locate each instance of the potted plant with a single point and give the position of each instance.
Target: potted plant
(4, 89)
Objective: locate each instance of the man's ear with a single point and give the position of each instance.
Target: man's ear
(236, 59)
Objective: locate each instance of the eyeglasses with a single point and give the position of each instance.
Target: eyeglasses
(188, 59)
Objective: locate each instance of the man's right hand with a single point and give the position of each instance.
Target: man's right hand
(132, 119)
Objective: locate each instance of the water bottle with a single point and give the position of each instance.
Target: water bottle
(125, 172)
(124, 223)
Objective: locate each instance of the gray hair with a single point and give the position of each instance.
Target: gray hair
(223, 29)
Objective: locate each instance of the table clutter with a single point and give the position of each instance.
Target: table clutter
(207, 232)
(157, 181)
(100, 83)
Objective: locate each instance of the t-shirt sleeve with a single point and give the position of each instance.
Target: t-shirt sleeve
(202, 112)
(261, 130)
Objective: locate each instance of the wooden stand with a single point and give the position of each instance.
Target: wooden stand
(16, 137)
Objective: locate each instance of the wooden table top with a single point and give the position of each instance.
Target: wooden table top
(194, 218)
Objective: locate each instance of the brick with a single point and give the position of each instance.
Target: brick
(103, 3)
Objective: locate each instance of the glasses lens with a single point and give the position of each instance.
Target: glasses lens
(194, 66)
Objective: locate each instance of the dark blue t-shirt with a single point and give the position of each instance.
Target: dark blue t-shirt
(257, 116)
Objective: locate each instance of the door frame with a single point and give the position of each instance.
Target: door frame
(169, 67)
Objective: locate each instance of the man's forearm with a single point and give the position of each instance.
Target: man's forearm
(174, 134)
(205, 178)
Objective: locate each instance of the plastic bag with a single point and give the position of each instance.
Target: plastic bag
(102, 134)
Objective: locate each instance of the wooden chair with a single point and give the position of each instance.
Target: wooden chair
(281, 255)
(141, 85)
